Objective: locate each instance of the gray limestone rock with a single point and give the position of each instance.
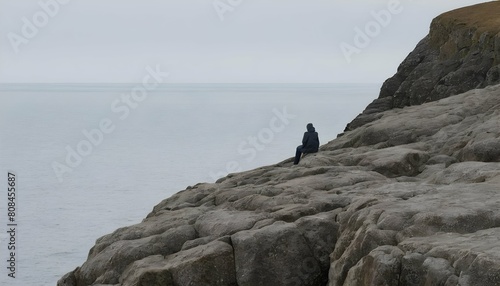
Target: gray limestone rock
(207, 265)
(275, 255)
(362, 211)
(452, 59)
(382, 266)
(407, 196)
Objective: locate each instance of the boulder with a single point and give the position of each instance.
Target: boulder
(276, 255)
(207, 265)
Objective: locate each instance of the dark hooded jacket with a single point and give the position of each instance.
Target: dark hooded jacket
(310, 142)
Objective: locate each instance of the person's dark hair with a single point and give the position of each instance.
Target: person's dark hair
(310, 127)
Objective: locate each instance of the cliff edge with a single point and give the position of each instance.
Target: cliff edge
(409, 197)
(460, 53)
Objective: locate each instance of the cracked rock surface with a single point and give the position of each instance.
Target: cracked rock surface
(409, 199)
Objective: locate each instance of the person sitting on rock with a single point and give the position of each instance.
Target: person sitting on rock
(310, 143)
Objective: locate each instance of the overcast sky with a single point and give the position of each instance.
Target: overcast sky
(198, 41)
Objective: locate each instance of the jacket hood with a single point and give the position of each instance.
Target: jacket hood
(310, 128)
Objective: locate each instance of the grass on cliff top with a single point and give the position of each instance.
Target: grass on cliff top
(484, 16)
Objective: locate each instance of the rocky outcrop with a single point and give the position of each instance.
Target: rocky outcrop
(408, 198)
(461, 52)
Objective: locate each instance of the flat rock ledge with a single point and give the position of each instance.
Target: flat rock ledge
(411, 198)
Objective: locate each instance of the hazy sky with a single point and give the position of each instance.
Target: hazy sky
(211, 41)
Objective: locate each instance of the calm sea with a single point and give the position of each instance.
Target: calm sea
(89, 159)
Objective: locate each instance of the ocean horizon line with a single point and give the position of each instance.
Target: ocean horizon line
(91, 86)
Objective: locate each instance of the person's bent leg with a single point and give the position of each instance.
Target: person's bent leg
(298, 153)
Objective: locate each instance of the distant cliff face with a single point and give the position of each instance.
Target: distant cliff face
(461, 52)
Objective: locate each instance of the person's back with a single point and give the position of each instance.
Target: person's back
(310, 143)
